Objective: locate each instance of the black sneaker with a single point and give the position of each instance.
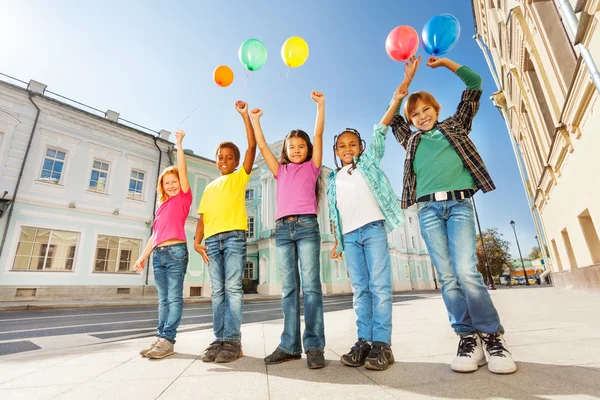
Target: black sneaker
(315, 359)
(230, 351)
(357, 355)
(279, 356)
(380, 357)
(210, 353)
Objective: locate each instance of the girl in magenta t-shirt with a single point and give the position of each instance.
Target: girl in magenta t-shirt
(169, 252)
(297, 238)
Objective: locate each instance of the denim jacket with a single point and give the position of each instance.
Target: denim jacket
(369, 166)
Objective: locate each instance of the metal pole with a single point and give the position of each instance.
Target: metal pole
(512, 223)
(491, 284)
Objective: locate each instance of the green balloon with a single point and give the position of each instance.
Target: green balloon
(253, 54)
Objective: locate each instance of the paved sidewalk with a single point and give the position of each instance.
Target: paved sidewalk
(554, 336)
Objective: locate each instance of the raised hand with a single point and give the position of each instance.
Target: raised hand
(256, 113)
(179, 135)
(318, 97)
(401, 91)
(410, 68)
(241, 107)
(435, 62)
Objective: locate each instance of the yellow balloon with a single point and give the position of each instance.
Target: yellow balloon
(294, 52)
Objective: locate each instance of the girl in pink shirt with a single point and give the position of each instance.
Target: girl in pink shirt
(297, 238)
(169, 252)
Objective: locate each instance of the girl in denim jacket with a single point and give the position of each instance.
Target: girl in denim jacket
(363, 209)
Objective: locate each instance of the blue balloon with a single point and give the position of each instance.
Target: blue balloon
(440, 34)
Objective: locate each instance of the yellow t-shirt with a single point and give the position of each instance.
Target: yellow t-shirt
(224, 204)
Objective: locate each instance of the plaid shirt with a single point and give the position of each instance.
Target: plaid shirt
(455, 129)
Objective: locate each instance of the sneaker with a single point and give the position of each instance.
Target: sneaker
(162, 349)
(279, 356)
(143, 352)
(210, 353)
(315, 359)
(499, 358)
(469, 356)
(357, 355)
(380, 357)
(230, 351)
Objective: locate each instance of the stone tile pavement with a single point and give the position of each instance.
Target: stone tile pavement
(554, 336)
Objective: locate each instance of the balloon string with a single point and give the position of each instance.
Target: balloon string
(244, 85)
(274, 87)
(189, 115)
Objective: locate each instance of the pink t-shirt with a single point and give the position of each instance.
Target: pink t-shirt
(296, 189)
(169, 222)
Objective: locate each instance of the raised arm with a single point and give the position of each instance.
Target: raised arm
(399, 94)
(267, 154)
(317, 156)
(400, 126)
(184, 183)
(242, 108)
(469, 102)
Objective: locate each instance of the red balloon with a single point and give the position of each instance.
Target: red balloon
(402, 43)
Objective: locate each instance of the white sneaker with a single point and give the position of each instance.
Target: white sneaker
(499, 358)
(469, 356)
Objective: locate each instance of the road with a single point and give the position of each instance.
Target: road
(22, 331)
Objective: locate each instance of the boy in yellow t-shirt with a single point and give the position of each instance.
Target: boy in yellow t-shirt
(224, 222)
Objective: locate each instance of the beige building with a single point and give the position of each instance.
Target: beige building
(541, 54)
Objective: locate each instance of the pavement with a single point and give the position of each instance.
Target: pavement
(554, 337)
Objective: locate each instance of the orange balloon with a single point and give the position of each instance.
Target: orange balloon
(223, 76)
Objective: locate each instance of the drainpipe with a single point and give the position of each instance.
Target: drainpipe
(12, 206)
(572, 25)
(538, 228)
(155, 197)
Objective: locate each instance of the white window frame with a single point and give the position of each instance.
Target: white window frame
(131, 196)
(50, 247)
(249, 270)
(55, 160)
(249, 196)
(100, 171)
(413, 242)
(419, 272)
(407, 271)
(132, 257)
(251, 223)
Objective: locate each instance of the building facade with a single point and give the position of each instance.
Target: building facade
(79, 190)
(539, 54)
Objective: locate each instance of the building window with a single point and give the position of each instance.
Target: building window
(115, 254)
(590, 235)
(407, 272)
(250, 232)
(402, 244)
(337, 270)
(45, 250)
(410, 220)
(347, 273)
(136, 183)
(419, 272)
(249, 270)
(331, 227)
(569, 248)
(53, 166)
(99, 177)
(249, 194)
(556, 255)
(412, 239)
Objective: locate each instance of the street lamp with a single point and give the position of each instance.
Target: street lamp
(512, 223)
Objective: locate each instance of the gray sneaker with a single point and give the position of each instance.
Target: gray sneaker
(162, 349)
(230, 351)
(143, 352)
(210, 354)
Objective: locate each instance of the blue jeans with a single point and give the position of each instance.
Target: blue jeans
(298, 245)
(170, 265)
(227, 253)
(448, 228)
(368, 262)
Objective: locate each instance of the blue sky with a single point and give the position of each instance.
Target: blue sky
(152, 61)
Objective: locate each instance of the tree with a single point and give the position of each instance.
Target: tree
(496, 249)
(535, 253)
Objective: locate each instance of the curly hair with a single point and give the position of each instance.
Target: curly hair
(362, 148)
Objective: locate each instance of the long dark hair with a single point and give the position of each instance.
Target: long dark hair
(285, 160)
(362, 148)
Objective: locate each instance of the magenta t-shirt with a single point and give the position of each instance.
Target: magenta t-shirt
(169, 222)
(296, 189)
